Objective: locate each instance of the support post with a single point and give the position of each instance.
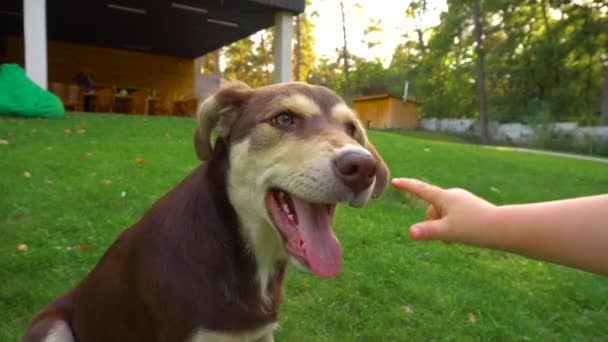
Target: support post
(34, 31)
(282, 47)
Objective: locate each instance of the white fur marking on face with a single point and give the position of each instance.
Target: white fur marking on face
(353, 148)
(60, 332)
(302, 105)
(291, 165)
(247, 192)
(343, 113)
(261, 334)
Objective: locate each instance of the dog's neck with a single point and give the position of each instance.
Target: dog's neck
(260, 238)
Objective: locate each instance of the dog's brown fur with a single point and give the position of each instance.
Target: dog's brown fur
(187, 265)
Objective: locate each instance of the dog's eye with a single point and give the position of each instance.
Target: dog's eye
(351, 129)
(284, 119)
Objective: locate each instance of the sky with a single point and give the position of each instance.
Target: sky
(328, 25)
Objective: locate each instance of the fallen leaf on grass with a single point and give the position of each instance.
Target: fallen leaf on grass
(27, 174)
(83, 247)
(407, 309)
(140, 160)
(472, 318)
(3, 142)
(80, 131)
(67, 131)
(22, 247)
(50, 182)
(106, 181)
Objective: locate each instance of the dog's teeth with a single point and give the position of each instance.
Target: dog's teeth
(285, 208)
(290, 217)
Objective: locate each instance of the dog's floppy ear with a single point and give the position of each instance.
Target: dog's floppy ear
(218, 112)
(382, 173)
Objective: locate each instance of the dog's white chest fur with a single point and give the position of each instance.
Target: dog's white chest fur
(263, 334)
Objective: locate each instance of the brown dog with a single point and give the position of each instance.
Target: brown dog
(206, 262)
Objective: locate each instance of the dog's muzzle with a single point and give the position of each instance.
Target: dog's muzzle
(356, 169)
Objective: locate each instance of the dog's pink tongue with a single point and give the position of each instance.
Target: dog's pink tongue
(321, 247)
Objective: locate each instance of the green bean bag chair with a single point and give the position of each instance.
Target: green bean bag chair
(20, 96)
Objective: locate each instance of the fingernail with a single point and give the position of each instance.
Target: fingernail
(416, 232)
(396, 181)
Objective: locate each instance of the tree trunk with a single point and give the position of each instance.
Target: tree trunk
(345, 53)
(216, 55)
(419, 28)
(481, 84)
(605, 99)
(267, 75)
(545, 16)
(298, 48)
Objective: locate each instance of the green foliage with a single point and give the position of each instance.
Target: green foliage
(307, 42)
(536, 52)
(530, 57)
(390, 288)
(248, 61)
(251, 59)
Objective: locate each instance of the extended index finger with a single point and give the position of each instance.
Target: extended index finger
(427, 192)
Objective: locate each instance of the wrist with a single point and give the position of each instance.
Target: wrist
(490, 231)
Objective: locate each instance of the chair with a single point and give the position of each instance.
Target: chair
(70, 95)
(57, 89)
(138, 102)
(185, 105)
(104, 100)
(73, 98)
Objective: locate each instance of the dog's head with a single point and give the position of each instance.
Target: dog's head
(296, 150)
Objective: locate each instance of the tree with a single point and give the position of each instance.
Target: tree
(542, 60)
(244, 62)
(298, 49)
(211, 63)
(304, 52)
(416, 11)
(326, 73)
(372, 34)
(345, 54)
(604, 108)
(264, 50)
(481, 83)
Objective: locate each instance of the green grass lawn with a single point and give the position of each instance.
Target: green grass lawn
(70, 186)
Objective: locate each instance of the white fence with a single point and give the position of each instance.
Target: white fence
(512, 132)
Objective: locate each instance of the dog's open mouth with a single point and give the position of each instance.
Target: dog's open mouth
(306, 229)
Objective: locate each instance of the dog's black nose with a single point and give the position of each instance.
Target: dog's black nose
(356, 169)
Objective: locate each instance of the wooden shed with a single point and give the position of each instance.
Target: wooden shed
(386, 111)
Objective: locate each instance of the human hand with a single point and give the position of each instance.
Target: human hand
(454, 215)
